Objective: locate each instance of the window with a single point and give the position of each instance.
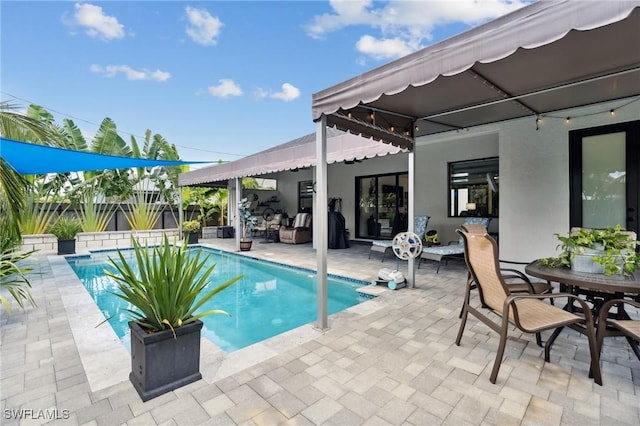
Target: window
(473, 188)
(305, 196)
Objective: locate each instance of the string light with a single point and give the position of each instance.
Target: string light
(568, 119)
(392, 129)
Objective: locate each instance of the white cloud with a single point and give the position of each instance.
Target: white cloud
(203, 28)
(404, 26)
(96, 23)
(130, 73)
(225, 89)
(383, 48)
(287, 93)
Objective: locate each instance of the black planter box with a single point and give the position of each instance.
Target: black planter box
(66, 246)
(225, 232)
(192, 237)
(161, 363)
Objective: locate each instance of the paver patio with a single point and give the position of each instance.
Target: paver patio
(391, 360)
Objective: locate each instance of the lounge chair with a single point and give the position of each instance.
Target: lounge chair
(528, 312)
(299, 233)
(382, 246)
(454, 249)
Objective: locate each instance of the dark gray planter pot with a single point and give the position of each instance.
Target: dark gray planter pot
(192, 237)
(161, 363)
(66, 246)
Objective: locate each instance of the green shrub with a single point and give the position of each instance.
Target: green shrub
(190, 226)
(65, 228)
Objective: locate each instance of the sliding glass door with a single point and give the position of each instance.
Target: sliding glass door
(605, 176)
(382, 208)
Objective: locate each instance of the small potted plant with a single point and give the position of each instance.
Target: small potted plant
(606, 251)
(165, 287)
(190, 230)
(248, 222)
(65, 229)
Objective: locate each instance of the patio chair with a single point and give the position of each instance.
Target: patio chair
(620, 325)
(528, 312)
(517, 281)
(299, 233)
(455, 249)
(382, 246)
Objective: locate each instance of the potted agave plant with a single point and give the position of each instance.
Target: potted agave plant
(248, 221)
(165, 287)
(65, 229)
(190, 230)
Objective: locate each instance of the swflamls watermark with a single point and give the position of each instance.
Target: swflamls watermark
(31, 414)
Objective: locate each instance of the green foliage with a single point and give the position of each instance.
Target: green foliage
(66, 228)
(95, 217)
(13, 275)
(190, 226)
(248, 220)
(613, 240)
(168, 287)
(37, 217)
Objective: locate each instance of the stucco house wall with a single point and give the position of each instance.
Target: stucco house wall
(534, 176)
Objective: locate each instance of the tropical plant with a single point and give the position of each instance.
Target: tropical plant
(618, 249)
(13, 275)
(94, 216)
(247, 219)
(38, 215)
(165, 285)
(65, 228)
(190, 226)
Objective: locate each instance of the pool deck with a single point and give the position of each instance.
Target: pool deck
(388, 361)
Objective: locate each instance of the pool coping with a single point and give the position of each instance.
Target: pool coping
(107, 362)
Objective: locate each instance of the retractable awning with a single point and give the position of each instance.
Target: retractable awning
(549, 56)
(296, 154)
(31, 159)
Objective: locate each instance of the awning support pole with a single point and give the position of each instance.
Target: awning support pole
(411, 166)
(236, 220)
(321, 218)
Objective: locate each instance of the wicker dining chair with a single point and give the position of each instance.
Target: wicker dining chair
(528, 312)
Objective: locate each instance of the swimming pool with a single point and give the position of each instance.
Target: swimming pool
(270, 298)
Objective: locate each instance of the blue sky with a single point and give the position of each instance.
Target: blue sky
(219, 79)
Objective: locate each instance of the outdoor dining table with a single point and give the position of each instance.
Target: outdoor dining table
(595, 288)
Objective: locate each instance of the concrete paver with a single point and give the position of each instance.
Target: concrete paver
(391, 360)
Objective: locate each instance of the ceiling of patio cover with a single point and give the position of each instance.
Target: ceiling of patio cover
(30, 159)
(549, 56)
(296, 154)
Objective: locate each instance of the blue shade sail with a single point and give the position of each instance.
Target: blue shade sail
(30, 159)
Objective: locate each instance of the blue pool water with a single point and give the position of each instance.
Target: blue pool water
(270, 298)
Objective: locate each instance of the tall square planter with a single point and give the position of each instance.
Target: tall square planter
(67, 246)
(161, 363)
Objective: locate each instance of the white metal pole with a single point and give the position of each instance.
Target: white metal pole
(321, 218)
(236, 214)
(411, 279)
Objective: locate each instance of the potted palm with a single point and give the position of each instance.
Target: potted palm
(248, 222)
(190, 230)
(608, 251)
(65, 229)
(165, 287)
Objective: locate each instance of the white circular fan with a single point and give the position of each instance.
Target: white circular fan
(406, 245)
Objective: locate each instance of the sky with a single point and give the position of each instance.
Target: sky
(218, 79)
